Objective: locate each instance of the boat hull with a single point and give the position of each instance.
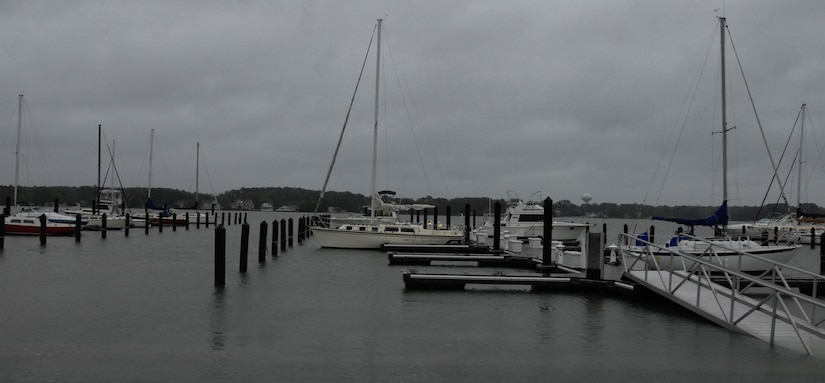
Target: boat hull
(28, 227)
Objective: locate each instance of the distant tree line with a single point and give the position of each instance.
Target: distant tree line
(306, 200)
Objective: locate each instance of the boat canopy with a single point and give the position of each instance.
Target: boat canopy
(719, 217)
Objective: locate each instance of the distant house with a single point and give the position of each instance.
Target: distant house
(287, 208)
(243, 205)
(266, 206)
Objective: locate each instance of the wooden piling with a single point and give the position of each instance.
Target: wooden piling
(497, 226)
(56, 205)
(103, 226)
(220, 255)
(148, 220)
(128, 224)
(42, 230)
(160, 222)
(186, 223)
(174, 221)
(262, 242)
(283, 235)
(466, 223)
(595, 254)
(198, 220)
(435, 218)
(290, 231)
(7, 208)
(2, 231)
(547, 235)
(244, 246)
(78, 224)
(448, 216)
(813, 238)
(274, 237)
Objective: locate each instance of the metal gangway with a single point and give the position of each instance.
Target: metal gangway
(764, 306)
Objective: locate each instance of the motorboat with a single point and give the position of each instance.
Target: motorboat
(526, 220)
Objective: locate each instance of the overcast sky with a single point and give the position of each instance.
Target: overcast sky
(556, 97)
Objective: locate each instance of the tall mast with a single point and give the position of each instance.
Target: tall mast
(17, 149)
(799, 155)
(197, 172)
(724, 115)
(99, 134)
(151, 145)
(375, 125)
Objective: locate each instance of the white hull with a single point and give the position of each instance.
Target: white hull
(722, 256)
(562, 231)
(354, 239)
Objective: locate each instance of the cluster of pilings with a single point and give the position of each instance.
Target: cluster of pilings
(282, 238)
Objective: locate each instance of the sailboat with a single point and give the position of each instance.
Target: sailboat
(108, 202)
(373, 234)
(724, 248)
(28, 221)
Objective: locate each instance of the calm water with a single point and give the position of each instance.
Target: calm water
(144, 309)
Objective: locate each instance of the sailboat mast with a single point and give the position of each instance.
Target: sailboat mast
(151, 145)
(799, 155)
(724, 115)
(17, 149)
(197, 172)
(375, 125)
(99, 134)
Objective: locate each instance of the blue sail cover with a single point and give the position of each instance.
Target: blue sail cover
(719, 217)
(151, 205)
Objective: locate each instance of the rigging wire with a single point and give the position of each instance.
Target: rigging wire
(344, 127)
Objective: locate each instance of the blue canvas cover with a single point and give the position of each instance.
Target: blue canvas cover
(719, 217)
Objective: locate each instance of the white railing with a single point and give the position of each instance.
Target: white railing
(698, 269)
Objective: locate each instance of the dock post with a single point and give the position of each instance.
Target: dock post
(146, 219)
(174, 221)
(274, 237)
(497, 226)
(425, 218)
(300, 230)
(652, 234)
(7, 208)
(412, 214)
(283, 235)
(435, 218)
(547, 249)
(220, 255)
(417, 216)
(291, 230)
(2, 231)
(104, 226)
(198, 220)
(56, 205)
(128, 223)
(595, 255)
(466, 223)
(604, 230)
(262, 242)
(624, 230)
(186, 221)
(160, 222)
(244, 246)
(223, 218)
(42, 230)
(813, 237)
(78, 224)
(447, 218)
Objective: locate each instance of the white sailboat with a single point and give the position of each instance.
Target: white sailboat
(725, 248)
(374, 234)
(25, 221)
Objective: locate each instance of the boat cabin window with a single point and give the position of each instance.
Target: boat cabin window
(347, 227)
(530, 218)
(362, 228)
(391, 229)
(374, 229)
(407, 230)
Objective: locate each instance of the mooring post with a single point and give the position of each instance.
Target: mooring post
(435, 218)
(448, 216)
(425, 218)
(290, 231)
(497, 226)
(78, 224)
(262, 242)
(595, 255)
(223, 218)
(128, 224)
(652, 234)
(174, 221)
(300, 230)
(244, 246)
(624, 230)
(160, 222)
(220, 255)
(2, 231)
(7, 208)
(604, 230)
(274, 237)
(283, 235)
(42, 230)
(186, 221)
(103, 226)
(56, 205)
(466, 223)
(417, 216)
(412, 215)
(147, 220)
(198, 220)
(547, 249)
